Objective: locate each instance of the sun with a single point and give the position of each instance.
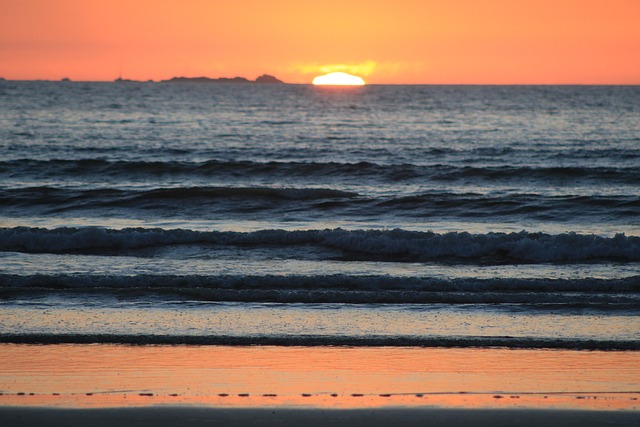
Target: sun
(338, 79)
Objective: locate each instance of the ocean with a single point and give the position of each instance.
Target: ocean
(294, 215)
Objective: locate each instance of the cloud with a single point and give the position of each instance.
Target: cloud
(361, 69)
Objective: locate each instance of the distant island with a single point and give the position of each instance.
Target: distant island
(263, 79)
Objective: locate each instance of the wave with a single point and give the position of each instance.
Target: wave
(521, 205)
(613, 294)
(390, 245)
(393, 173)
(315, 341)
(234, 199)
(54, 195)
(199, 201)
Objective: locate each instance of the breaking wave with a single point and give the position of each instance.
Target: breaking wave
(389, 245)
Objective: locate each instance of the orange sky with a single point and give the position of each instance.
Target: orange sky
(384, 41)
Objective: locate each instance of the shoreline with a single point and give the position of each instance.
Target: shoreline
(565, 401)
(497, 342)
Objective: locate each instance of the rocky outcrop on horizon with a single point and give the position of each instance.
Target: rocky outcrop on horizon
(263, 79)
(266, 78)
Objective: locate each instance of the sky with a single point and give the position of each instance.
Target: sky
(383, 41)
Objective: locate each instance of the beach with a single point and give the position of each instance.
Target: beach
(284, 254)
(338, 213)
(203, 385)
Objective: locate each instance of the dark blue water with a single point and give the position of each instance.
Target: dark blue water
(455, 215)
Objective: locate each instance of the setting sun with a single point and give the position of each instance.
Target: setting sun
(338, 79)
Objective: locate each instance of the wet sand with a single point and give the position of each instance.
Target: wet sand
(198, 416)
(211, 385)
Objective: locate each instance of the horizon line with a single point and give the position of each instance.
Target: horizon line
(120, 81)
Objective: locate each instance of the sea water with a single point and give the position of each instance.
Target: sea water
(298, 215)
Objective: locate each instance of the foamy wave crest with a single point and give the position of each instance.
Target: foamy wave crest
(389, 245)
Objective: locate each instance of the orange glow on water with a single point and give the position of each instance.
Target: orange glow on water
(121, 375)
(406, 41)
